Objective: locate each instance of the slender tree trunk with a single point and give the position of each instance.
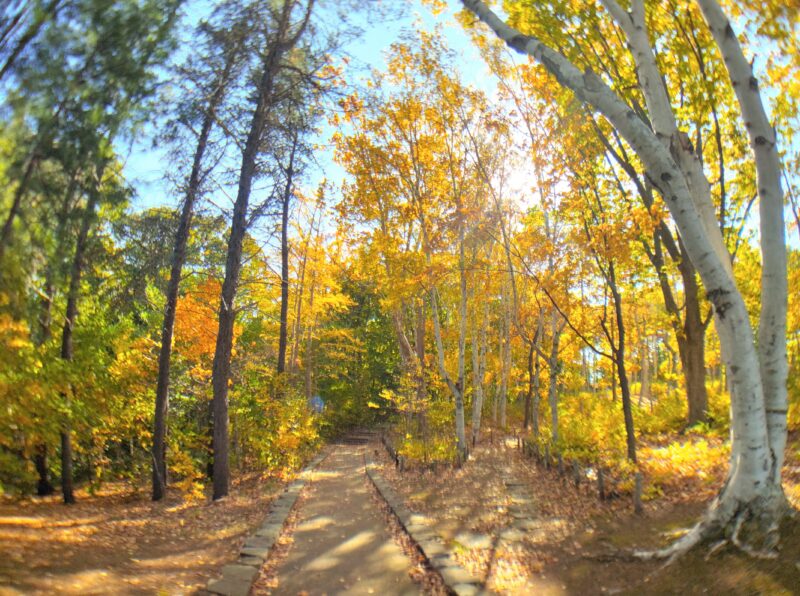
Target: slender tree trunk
(536, 397)
(614, 377)
(644, 384)
(478, 371)
(455, 387)
(526, 421)
(159, 452)
(505, 355)
(233, 263)
(16, 203)
(555, 368)
(296, 333)
(462, 340)
(43, 486)
(619, 361)
(48, 12)
(285, 205)
(419, 345)
(691, 349)
(308, 358)
(70, 317)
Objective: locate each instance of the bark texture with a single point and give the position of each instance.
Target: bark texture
(752, 495)
(176, 267)
(70, 316)
(283, 41)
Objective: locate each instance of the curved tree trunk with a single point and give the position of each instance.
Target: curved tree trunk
(752, 494)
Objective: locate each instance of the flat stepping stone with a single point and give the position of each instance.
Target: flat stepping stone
(418, 518)
(250, 561)
(426, 536)
(259, 542)
(511, 535)
(236, 580)
(443, 561)
(259, 553)
(271, 531)
(432, 548)
(528, 524)
(455, 575)
(466, 589)
(473, 540)
(417, 528)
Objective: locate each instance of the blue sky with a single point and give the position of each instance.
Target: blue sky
(146, 166)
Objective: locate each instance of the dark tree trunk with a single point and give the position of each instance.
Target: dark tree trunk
(419, 346)
(526, 422)
(233, 263)
(178, 258)
(535, 404)
(49, 12)
(692, 349)
(71, 315)
(287, 199)
(16, 203)
(619, 360)
(43, 486)
(689, 328)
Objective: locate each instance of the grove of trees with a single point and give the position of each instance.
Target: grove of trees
(588, 239)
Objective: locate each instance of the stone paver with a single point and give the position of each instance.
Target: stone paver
(341, 543)
(237, 579)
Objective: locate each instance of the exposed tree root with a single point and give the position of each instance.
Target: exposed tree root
(725, 524)
(714, 548)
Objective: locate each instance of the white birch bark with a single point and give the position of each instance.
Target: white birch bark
(772, 320)
(749, 490)
(663, 121)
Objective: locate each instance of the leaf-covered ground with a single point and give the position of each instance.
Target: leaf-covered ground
(578, 544)
(121, 543)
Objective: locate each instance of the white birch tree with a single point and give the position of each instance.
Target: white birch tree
(751, 504)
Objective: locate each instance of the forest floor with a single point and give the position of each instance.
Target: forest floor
(116, 542)
(577, 543)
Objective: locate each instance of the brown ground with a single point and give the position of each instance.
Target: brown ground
(119, 543)
(339, 541)
(580, 544)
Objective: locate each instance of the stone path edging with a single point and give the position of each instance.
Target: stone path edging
(521, 511)
(420, 529)
(237, 578)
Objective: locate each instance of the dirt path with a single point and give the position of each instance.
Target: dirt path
(341, 544)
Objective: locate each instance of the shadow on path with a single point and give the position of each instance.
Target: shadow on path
(341, 544)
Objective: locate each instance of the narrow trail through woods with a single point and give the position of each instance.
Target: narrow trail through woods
(341, 543)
